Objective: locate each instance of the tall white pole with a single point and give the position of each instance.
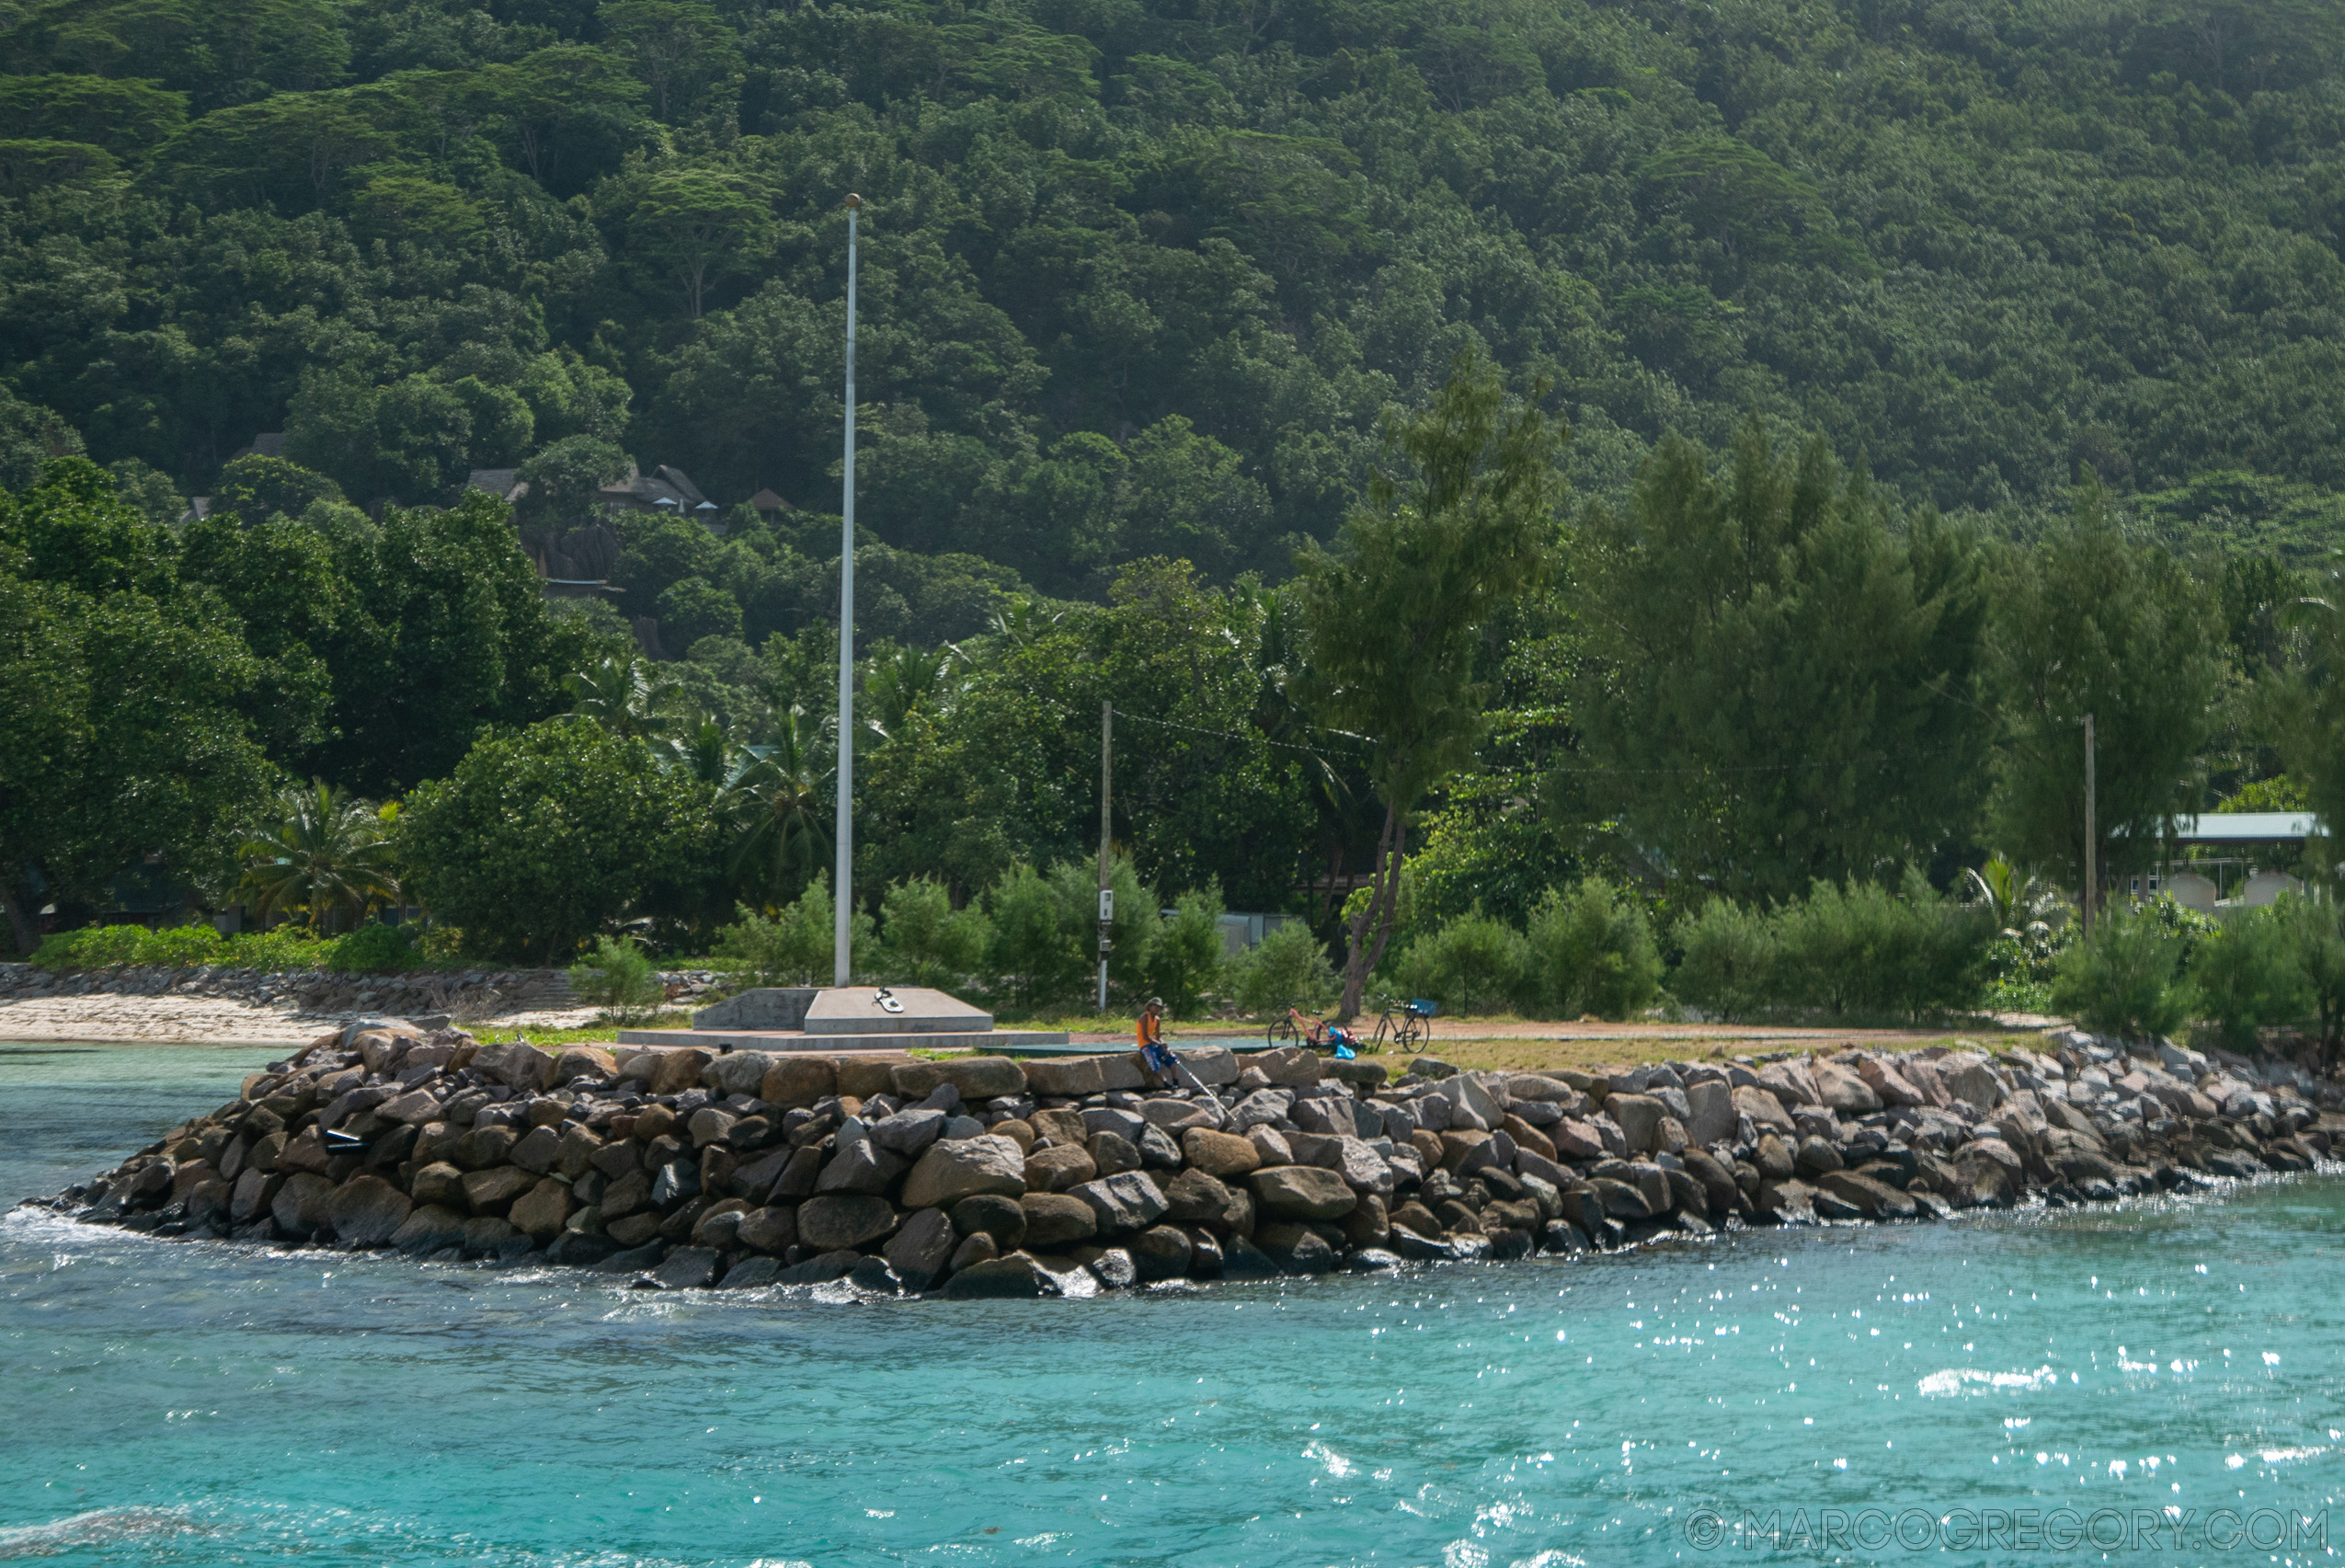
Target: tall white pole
(842, 884)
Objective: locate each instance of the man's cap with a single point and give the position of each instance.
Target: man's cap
(1156, 1002)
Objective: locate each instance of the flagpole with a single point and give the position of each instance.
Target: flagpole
(842, 886)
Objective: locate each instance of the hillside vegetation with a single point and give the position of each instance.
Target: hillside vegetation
(1138, 278)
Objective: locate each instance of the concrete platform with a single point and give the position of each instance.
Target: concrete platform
(989, 1042)
(865, 1011)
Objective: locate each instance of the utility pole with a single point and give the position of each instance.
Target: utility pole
(2092, 840)
(844, 907)
(1106, 893)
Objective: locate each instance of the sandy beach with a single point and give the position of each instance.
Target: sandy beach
(203, 1019)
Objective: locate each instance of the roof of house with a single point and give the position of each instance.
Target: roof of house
(2246, 827)
(505, 484)
(766, 500)
(662, 483)
(269, 443)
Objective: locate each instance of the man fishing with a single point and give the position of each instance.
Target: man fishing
(1153, 1051)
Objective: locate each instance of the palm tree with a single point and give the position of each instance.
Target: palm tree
(620, 695)
(325, 855)
(1022, 618)
(774, 802)
(903, 679)
(698, 746)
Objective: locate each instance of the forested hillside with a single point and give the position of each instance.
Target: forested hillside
(1140, 278)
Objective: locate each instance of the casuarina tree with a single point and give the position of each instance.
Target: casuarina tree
(1457, 524)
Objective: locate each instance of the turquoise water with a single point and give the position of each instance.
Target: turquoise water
(175, 1404)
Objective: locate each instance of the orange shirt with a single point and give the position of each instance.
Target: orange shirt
(1150, 1037)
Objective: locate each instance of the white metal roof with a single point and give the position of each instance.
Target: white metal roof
(2246, 827)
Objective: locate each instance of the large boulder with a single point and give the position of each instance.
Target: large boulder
(429, 1228)
(493, 1191)
(1302, 1192)
(1968, 1079)
(1765, 1109)
(839, 1222)
(1057, 1220)
(538, 1149)
(1126, 1201)
(542, 1211)
(920, 1248)
(367, 1211)
(1193, 1197)
(1877, 1199)
(411, 1109)
(862, 1166)
(1886, 1080)
(583, 1061)
(907, 1132)
(1160, 1253)
(980, 1079)
(793, 1080)
(1057, 1168)
(1711, 1115)
(1219, 1154)
(1066, 1077)
(1292, 1065)
(773, 1229)
(1844, 1092)
(992, 1214)
(1791, 1083)
(438, 1182)
(1639, 1116)
(1017, 1275)
(515, 1062)
(738, 1072)
(958, 1168)
(302, 1204)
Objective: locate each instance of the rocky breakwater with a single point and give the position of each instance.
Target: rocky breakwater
(985, 1176)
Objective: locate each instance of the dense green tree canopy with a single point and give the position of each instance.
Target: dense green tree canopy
(1141, 278)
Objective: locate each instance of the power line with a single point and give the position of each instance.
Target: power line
(1240, 735)
(1746, 768)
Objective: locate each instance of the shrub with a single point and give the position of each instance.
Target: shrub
(2248, 975)
(1861, 948)
(375, 946)
(2317, 940)
(924, 939)
(280, 947)
(1288, 967)
(1728, 964)
(1038, 959)
(1075, 884)
(1187, 959)
(2123, 980)
(1473, 963)
(618, 977)
(104, 946)
(1591, 950)
(797, 946)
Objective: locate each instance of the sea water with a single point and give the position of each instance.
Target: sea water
(2167, 1377)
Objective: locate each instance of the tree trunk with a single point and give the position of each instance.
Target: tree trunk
(1372, 927)
(26, 929)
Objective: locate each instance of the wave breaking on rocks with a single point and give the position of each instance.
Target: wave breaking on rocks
(986, 1176)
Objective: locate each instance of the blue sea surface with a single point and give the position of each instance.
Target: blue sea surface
(1838, 1395)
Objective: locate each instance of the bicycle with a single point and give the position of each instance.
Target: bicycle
(1407, 1027)
(1321, 1036)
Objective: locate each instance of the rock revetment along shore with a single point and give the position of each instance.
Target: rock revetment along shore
(985, 1176)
